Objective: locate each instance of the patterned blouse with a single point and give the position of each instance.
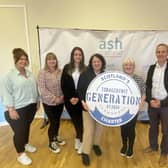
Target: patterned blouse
(49, 85)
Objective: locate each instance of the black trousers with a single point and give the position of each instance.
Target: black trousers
(128, 133)
(54, 115)
(75, 112)
(21, 126)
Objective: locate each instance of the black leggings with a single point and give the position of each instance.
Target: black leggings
(75, 112)
(54, 115)
(21, 126)
(128, 132)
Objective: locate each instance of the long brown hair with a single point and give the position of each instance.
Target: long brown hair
(82, 66)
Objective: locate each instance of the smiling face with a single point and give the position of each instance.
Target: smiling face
(96, 64)
(51, 63)
(128, 68)
(22, 62)
(161, 54)
(129, 65)
(77, 57)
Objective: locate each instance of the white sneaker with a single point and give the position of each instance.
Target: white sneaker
(54, 148)
(30, 148)
(77, 143)
(60, 141)
(24, 159)
(79, 151)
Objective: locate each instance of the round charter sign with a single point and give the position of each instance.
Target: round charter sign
(113, 98)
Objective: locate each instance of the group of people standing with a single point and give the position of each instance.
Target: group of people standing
(55, 88)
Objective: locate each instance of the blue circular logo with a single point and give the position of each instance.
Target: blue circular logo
(113, 98)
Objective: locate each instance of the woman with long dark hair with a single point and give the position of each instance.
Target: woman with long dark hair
(69, 82)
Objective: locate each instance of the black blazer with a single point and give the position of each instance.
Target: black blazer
(149, 85)
(85, 78)
(67, 84)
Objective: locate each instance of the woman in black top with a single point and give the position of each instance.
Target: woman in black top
(69, 82)
(92, 129)
(128, 132)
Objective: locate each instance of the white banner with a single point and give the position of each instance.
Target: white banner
(113, 45)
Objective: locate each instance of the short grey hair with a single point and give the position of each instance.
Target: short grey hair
(128, 60)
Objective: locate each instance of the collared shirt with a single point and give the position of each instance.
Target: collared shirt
(49, 84)
(75, 76)
(158, 89)
(19, 91)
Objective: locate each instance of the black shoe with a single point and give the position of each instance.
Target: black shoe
(53, 147)
(44, 124)
(97, 150)
(85, 159)
(123, 150)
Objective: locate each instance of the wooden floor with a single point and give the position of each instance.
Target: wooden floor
(68, 158)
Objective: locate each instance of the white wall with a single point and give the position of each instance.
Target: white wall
(97, 14)
(12, 34)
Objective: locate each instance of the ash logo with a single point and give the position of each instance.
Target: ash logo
(112, 47)
(114, 44)
(113, 98)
